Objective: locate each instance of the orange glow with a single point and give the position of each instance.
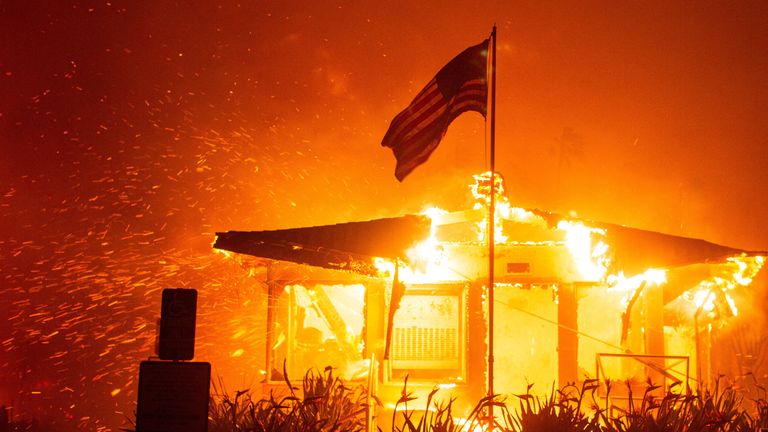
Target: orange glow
(522, 215)
(481, 191)
(746, 268)
(713, 293)
(621, 283)
(425, 260)
(226, 254)
(628, 285)
(590, 256)
(704, 300)
(426, 265)
(570, 250)
(125, 154)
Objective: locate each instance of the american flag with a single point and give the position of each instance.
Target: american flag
(461, 85)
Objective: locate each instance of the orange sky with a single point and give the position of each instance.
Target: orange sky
(665, 102)
(132, 131)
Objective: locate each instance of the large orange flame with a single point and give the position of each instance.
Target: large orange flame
(589, 255)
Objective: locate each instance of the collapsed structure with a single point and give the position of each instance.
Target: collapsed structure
(387, 299)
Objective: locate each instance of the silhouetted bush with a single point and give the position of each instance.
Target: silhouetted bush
(324, 403)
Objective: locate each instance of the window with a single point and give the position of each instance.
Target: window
(428, 334)
(317, 326)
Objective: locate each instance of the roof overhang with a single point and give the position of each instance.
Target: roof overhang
(345, 246)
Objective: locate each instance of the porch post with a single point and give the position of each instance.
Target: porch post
(567, 337)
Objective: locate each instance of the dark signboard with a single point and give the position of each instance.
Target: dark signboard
(177, 324)
(173, 396)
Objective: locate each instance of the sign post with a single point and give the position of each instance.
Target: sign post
(173, 395)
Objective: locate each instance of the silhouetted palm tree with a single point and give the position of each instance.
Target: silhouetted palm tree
(570, 146)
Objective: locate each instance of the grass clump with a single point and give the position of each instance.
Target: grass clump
(578, 409)
(719, 409)
(562, 410)
(438, 416)
(322, 403)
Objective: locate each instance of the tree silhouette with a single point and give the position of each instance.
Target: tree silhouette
(569, 146)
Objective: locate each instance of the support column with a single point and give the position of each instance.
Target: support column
(270, 336)
(567, 336)
(653, 302)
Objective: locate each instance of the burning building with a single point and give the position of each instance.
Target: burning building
(387, 299)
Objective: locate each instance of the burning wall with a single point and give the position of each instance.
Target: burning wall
(572, 297)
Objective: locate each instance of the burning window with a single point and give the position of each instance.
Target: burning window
(317, 326)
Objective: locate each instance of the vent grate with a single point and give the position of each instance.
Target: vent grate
(425, 344)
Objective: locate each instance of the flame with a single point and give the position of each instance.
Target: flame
(227, 254)
(704, 299)
(591, 258)
(621, 283)
(713, 294)
(481, 191)
(522, 215)
(426, 265)
(731, 304)
(426, 262)
(746, 268)
(433, 213)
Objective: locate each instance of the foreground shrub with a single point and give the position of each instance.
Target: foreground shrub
(707, 411)
(563, 410)
(323, 403)
(438, 416)
(574, 409)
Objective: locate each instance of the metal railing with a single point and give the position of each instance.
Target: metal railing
(667, 370)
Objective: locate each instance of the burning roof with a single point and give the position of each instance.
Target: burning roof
(635, 250)
(531, 245)
(343, 246)
(352, 245)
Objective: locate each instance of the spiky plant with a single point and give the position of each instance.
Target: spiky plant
(438, 416)
(650, 413)
(323, 403)
(562, 410)
(707, 411)
(327, 404)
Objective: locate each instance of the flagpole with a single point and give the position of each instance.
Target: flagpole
(491, 230)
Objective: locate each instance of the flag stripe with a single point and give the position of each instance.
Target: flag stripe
(460, 86)
(462, 103)
(414, 114)
(435, 129)
(422, 111)
(404, 168)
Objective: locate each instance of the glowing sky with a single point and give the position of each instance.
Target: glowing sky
(131, 131)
